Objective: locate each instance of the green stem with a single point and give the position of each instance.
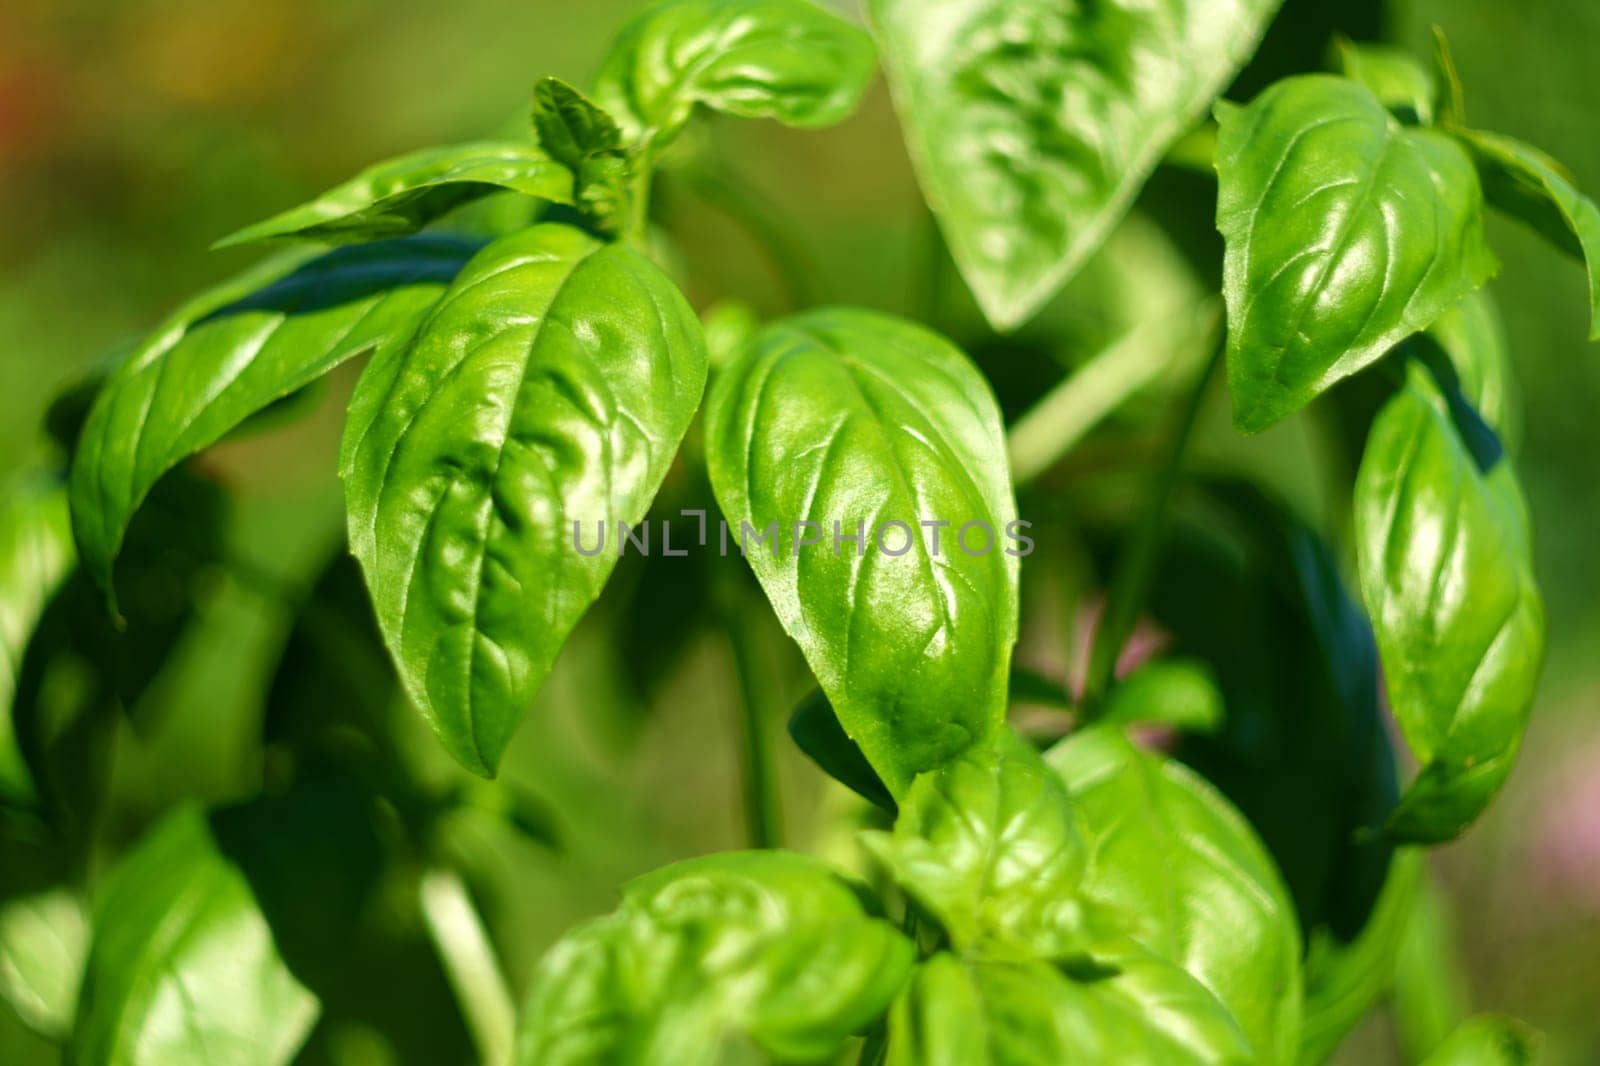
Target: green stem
(763, 807)
(1066, 414)
(470, 965)
(638, 228)
(1134, 570)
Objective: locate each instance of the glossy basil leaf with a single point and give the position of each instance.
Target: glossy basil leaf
(1136, 1008)
(765, 951)
(869, 427)
(1033, 124)
(402, 195)
(816, 731)
(1345, 233)
(1179, 693)
(1344, 979)
(1488, 1040)
(989, 847)
(584, 139)
(1473, 339)
(791, 60)
(231, 353)
(36, 555)
(1166, 849)
(1447, 577)
(1404, 86)
(545, 394)
(182, 966)
(44, 938)
(1527, 184)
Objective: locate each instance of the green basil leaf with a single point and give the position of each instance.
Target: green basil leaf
(402, 195)
(1170, 852)
(182, 966)
(817, 732)
(1137, 1008)
(1473, 340)
(231, 353)
(988, 846)
(36, 555)
(1345, 233)
(1345, 979)
(585, 140)
(768, 948)
(790, 60)
(545, 394)
(1528, 185)
(1488, 1040)
(1404, 86)
(1448, 580)
(1033, 124)
(1180, 693)
(43, 941)
(866, 426)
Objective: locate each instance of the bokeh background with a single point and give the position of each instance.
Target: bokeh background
(135, 132)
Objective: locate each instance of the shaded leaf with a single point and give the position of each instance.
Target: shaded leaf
(866, 426)
(402, 195)
(1403, 85)
(586, 140)
(1345, 233)
(1033, 124)
(544, 395)
(817, 732)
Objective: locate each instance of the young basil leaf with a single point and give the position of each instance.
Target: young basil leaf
(1033, 125)
(1488, 1040)
(1345, 233)
(1406, 87)
(1180, 693)
(1448, 580)
(1171, 853)
(989, 847)
(817, 732)
(585, 140)
(1345, 978)
(790, 60)
(36, 555)
(766, 947)
(1137, 1009)
(835, 435)
(182, 966)
(545, 394)
(1528, 185)
(231, 353)
(402, 195)
(44, 938)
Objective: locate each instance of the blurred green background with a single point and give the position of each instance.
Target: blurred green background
(135, 132)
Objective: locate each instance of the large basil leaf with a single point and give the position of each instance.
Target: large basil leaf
(785, 59)
(402, 195)
(182, 966)
(1344, 979)
(1488, 1040)
(1033, 124)
(1171, 853)
(36, 555)
(544, 395)
(1345, 233)
(43, 940)
(1447, 577)
(1133, 1008)
(989, 847)
(1527, 184)
(764, 948)
(864, 426)
(231, 353)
